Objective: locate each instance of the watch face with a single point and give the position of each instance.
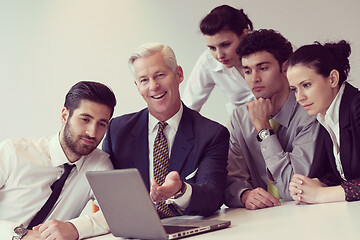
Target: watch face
(264, 133)
(20, 231)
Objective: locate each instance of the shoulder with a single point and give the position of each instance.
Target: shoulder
(98, 160)
(127, 120)
(24, 144)
(200, 123)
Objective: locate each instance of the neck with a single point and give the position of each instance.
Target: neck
(280, 100)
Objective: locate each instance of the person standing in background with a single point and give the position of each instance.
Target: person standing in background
(223, 29)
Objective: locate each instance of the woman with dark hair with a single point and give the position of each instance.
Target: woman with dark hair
(317, 73)
(223, 29)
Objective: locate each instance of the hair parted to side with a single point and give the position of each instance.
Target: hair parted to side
(225, 17)
(324, 58)
(266, 40)
(92, 91)
(151, 48)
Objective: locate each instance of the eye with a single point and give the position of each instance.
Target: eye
(293, 89)
(86, 120)
(264, 68)
(160, 76)
(226, 44)
(143, 80)
(306, 85)
(247, 72)
(102, 124)
(212, 48)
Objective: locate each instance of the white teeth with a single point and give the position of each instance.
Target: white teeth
(159, 96)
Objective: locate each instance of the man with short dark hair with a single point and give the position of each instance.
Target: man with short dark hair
(272, 137)
(31, 169)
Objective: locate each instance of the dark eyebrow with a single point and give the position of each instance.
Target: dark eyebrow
(257, 65)
(261, 63)
(89, 116)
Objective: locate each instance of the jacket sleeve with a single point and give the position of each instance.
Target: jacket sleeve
(210, 180)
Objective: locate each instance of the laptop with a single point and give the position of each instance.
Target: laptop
(130, 213)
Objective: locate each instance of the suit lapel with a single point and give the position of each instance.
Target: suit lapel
(345, 130)
(183, 143)
(139, 143)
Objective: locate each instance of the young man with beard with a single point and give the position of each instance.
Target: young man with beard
(29, 167)
(272, 137)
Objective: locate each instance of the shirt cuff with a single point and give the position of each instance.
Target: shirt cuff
(183, 201)
(91, 225)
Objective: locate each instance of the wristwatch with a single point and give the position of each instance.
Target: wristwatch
(181, 192)
(19, 232)
(264, 133)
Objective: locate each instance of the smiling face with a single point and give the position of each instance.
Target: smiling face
(313, 91)
(158, 85)
(84, 129)
(263, 75)
(223, 47)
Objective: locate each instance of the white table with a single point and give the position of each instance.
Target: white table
(289, 221)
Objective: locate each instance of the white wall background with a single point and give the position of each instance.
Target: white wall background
(47, 46)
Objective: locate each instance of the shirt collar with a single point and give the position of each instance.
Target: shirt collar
(57, 154)
(332, 113)
(283, 117)
(173, 122)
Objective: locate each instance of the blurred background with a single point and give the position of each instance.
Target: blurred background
(47, 46)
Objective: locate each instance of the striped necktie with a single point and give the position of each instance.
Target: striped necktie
(161, 163)
(271, 187)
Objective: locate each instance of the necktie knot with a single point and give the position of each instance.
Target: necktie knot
(274, 125)
(162, 126)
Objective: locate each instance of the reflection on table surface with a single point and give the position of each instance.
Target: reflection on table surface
(289, 221)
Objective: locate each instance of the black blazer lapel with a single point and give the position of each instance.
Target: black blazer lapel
(346, 138)
(139, 143)
(183, 143)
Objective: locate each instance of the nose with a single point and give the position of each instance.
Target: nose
(220, 54)
(153, 85)
(91, 130)
(255, 77)
(300, 96)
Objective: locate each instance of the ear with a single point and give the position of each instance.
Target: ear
(179, 73)
(334, 78)
(64, 115)
(284, 68)
(245, 32)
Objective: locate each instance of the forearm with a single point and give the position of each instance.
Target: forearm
(331, 194)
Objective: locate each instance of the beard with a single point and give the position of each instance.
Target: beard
(73, 143)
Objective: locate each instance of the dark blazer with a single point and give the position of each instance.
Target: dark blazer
(200, 145)
(349, 126)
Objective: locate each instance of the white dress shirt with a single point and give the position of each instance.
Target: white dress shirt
(169, 132)
(208, 73)
(330, 121)
(28, 167)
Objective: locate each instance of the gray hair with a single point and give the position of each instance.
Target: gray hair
(151, 48)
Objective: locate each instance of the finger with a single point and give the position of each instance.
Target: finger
(37, 227)
(268, 199)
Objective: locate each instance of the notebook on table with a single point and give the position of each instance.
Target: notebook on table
(130, 213)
